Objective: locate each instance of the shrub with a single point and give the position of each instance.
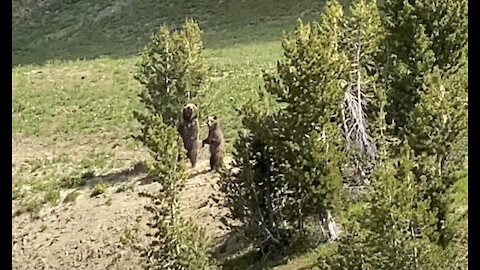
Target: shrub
(457, 222)
(290, 162)
(426, 77)
(71, 196)
(352, 86)
(98, 189)
(396, 228)
(175, 243)
(171, 72)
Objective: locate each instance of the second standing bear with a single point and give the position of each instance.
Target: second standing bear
(216, 143)
(189, 131)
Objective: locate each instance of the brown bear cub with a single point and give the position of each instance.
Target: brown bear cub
(216, 143)
(189, 131)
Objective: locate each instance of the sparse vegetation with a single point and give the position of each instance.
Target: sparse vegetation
(71, 196)
(98, 189)
(129, 186)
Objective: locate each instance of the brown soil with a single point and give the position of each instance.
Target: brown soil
(88, 233)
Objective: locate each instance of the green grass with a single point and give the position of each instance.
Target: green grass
(71, 197)
(54, 105)
(39, 181)
(459, 204)
(90, 103)
(296, 258)
(87, 29)
(128, 186)
(67, 103)
(98, 189)
(54, 100)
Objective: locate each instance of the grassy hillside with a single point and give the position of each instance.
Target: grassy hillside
(69, 29)
(58, 103)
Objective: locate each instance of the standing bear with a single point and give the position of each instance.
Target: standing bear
(189, 131)
(216, 142)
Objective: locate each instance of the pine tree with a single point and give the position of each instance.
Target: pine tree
(427, 88)
(423, 67)
(423, 35)
(457, 220)
(290, 162)
(396, 227)
(404, 225)
(175, 243)
(171, 72)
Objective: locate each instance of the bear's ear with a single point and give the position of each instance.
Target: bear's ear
(214, 117)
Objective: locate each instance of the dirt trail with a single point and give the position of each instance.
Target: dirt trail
(87, 234)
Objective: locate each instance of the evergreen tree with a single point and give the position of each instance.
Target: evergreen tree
(175, 243)
(290, 162)
(422, 35)
(405, 224)
(171, 72)
(375, 80)
(426, 74)
(396, 228)
(457, 220)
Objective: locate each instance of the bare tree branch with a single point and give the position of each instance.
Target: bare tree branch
(355, 122)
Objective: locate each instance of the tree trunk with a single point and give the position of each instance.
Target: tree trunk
(329, 226)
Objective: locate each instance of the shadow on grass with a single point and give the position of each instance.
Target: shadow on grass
(251, 260)
(233, 252)
(89, 179)
(119, 29)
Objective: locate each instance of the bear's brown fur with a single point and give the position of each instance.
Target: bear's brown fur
(216, 143)
(189, 131)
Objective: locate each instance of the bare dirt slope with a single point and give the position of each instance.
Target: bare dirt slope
(90, 233)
